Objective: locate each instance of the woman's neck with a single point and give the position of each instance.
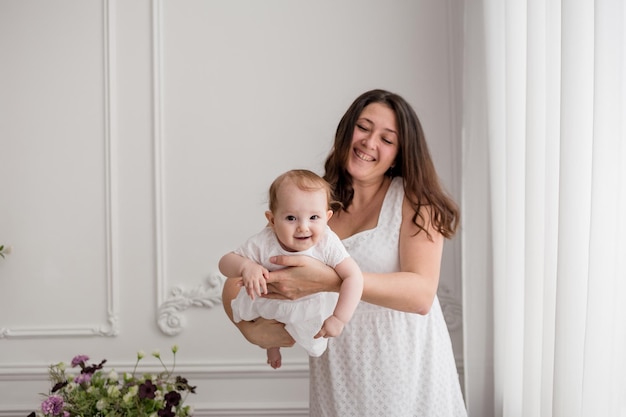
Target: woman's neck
(367, 192)
(363, 212)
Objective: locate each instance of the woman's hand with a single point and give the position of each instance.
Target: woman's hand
(302, 276)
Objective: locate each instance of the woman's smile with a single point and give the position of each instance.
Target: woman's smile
(363, 156)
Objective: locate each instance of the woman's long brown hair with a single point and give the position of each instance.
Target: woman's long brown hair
(413, 163)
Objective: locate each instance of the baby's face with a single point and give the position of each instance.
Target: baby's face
(300, 218)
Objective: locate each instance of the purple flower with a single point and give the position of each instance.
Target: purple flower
(52, 405)
(172, 398)
(59, 385)
(79, 360)
(166, 412)
(147, 390)
(83, 378)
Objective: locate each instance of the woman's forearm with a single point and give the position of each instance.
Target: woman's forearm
(303, 276)
(403, 291)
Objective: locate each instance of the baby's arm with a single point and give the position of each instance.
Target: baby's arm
(254, 275)
(349, 297)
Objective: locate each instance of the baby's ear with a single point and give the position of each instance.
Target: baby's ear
(329, 214)
(270, 217)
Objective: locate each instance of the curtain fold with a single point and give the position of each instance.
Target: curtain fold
(576, 146)
(606, 249)
(544, 289)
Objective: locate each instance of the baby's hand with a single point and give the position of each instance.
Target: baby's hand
(332, 327)
(254, 279)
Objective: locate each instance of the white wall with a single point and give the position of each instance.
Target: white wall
(137, 142)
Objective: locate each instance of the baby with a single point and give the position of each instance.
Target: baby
(299, 210)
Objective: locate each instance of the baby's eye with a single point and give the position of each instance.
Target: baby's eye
(315, 217)
(290, 218)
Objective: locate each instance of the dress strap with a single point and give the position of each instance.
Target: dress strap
(392, 204)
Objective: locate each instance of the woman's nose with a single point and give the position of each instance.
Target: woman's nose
(368, 141)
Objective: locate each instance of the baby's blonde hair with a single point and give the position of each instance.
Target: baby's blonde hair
(303, 179)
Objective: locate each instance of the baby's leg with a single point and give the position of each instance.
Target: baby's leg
(274, 357)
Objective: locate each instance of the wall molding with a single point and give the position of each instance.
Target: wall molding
(111, 326)
(214, 410)
(157, 96)
(171, 321)
(191, 370)
(170, 305)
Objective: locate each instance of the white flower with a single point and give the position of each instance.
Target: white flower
(113, 376)
(156, 353)
(129, 397)
(101, 404)
(113, 391)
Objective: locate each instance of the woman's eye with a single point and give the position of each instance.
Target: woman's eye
(387, 141)
(361, 127)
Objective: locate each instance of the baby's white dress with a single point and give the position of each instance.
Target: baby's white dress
(386, 363)
(303, 317)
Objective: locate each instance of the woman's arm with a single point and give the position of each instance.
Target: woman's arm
(412, 289)
(304, 276)
(261, 332)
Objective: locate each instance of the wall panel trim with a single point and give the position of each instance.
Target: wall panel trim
(172, 305)
(191, 370)
(111, 327)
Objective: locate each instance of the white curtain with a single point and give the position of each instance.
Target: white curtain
(544, 208)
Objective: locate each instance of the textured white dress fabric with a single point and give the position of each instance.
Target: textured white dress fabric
(386, 363)
(304, 317)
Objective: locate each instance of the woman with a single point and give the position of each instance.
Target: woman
(395, 357)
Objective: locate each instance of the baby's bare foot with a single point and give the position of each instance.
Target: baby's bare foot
(274, 358)
(275, 363)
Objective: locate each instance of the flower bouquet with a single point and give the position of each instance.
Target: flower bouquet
(94, 393)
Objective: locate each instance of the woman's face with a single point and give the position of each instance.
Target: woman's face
(374, 143)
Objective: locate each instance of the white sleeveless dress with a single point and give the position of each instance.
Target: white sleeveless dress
(386, 363)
